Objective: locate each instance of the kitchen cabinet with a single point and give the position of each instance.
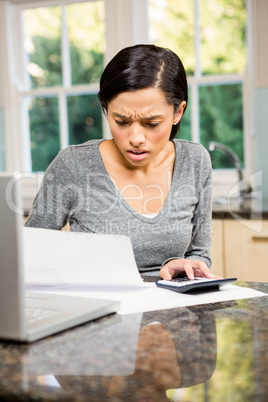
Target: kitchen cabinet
(240, 249)
(245, 247)
(216, 250)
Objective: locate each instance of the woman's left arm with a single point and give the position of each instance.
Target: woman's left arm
(196, 261)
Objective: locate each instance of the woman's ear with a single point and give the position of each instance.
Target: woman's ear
(179, 112)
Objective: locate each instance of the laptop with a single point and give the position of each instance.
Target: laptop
(28, 316)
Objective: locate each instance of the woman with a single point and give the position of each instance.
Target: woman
(141, 183)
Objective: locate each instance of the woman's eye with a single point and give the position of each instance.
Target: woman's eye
(121, 122)
(124, 122)
(151, 124)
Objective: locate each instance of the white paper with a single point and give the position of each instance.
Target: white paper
(152, 298)
(53, 257)
(158, 299)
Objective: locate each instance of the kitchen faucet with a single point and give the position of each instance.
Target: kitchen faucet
(236, 161)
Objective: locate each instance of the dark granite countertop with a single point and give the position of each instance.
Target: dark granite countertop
(232, 208)
(210, 352)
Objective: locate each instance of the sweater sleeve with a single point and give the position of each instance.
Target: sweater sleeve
(54, 201)
(199, 246)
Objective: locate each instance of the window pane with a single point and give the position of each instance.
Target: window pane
(185, 128)
(87, 41)
(44, 132)
(85, 118)
(172, 26)
(223, 32)
(42, 38)
(221, 120)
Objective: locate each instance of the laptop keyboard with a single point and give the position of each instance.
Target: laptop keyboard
(37, 314)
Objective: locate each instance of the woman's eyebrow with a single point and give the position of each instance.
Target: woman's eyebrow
(144, 118)
(156, 116)
(121, 115)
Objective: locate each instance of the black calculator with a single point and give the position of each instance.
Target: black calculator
(185, 284)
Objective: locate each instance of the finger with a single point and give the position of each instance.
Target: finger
(201, 269)
(172, 269)
(189, 269)
(165, 273)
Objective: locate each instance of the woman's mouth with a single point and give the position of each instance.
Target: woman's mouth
(137, 154)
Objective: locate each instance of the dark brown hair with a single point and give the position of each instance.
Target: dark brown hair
(145, 66)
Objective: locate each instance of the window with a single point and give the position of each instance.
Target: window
(64, 48)
(54, 67)
(210, 38)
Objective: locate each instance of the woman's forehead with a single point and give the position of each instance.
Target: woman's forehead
(149, 102)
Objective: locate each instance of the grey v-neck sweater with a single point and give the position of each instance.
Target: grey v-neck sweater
(77, 189)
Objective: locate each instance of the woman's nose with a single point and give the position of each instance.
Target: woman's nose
(136, 135)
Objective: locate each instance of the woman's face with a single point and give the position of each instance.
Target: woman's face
(141, 123)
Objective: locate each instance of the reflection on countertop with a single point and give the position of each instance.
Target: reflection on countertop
(210, 352)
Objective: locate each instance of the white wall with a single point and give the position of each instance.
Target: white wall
(260, 84)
